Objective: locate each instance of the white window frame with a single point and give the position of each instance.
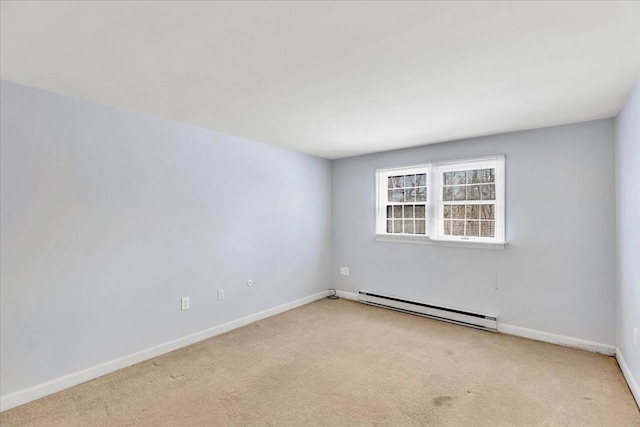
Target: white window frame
(435, 203)
(381, 186)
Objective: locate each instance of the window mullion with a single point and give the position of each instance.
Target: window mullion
(433, 196)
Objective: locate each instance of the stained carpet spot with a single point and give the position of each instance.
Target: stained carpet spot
(441, 400)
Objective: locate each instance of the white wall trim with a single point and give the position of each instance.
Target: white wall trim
(563, 340)
(44, 389)
(38, 391)
(425, 240)
(533, 334)
(633, 385)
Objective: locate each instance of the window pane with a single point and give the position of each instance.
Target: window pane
(473, 192)
(397, 226)
(447, 177)
(389, 212)
(396, 182)
(421, 195)
(389, 226)
(409, 180)
(487, 229)
(447, 194)
(473, 228)
(472, 211)
(457, 211)
(397, 211)
(474, 176)
(487, 212)
(459, 177)
(447, 227)
(489, 192)
(420, 227)
(408, 226)
(488, 175)
(421, 179)
(459, 193)
(457, 228)
(410, 195)
(420, 211)
(408, 211)
(396, 195)
(447, 211)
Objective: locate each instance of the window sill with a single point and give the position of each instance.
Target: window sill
(424, 240)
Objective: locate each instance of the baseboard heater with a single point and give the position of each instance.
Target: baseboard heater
(465, 318)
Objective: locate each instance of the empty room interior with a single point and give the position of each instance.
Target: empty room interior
(320, 213)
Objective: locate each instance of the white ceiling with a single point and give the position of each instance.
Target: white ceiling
(333, 79)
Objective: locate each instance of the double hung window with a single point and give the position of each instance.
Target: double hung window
(452, 201)
(406, 201)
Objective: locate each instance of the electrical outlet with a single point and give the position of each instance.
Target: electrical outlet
(249, 282)
(344, 271)
(220, 293)
(184, 303)
(635, 336)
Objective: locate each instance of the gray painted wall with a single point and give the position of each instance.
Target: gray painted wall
(628, 229)
(557, 274)
(109, 217)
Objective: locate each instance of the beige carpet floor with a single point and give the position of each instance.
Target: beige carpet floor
(337, 362)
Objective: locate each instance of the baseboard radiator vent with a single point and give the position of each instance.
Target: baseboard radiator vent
(465, 318)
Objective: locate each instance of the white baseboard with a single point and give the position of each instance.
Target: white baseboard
(38, 391)
(633, 385)
(44, 389)
(533, 334)
(563, 340)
